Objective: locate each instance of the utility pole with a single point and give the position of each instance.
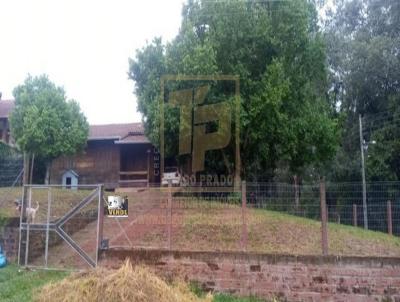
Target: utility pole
(364, 185)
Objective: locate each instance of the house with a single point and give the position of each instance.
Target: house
(6, 107)
(11, 161)
(116, 155)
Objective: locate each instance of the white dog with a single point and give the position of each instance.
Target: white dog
(30, 212)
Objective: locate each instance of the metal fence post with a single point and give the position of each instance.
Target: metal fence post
(355, 215)
(389, 217)
(28, 227)
(244, 222)
(25, 177)
(100, 221)
(24, 192)
(169, 218)
(324, 227)
(364, 184)
(46, 252)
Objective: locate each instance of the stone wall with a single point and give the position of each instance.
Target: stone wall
(289, 278)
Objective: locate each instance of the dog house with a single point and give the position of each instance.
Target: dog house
(70, 179)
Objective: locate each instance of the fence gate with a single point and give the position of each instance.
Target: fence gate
(59, 226)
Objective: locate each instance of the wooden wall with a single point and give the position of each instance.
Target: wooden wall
(102, 161)
(99, 163)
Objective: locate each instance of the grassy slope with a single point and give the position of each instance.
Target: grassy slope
(18, 286)
(62, 200)
(303, 236)
(275, 232)
(7, 197)
(213, 226)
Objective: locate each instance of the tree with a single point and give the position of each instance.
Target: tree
(278, 52)
(363, 38)
(44, 123)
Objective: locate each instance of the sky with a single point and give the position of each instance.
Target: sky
(83, 46)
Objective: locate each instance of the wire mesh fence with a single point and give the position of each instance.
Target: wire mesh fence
(255, 217)
(178, 218)
(260, 217)
(345, 205)
(292, 199)
(344, 202)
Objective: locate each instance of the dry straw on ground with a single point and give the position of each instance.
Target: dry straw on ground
(133, 284)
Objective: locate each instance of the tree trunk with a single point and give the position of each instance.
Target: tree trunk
(31, 168)
(296, 191)
(47, 177)
(226, 162)
(28, 168)
(25, 177)
(25, 181)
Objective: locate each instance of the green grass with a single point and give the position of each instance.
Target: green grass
(228, 298)
(208, 227)
(18, 286)
(195, 288)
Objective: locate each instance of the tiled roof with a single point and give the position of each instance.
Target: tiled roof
(116, 131)
(132, 133)
(129, 133)
(6, 106)
(134, 139)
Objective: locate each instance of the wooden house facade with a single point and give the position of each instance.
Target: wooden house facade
(116, 155)
(6, 107)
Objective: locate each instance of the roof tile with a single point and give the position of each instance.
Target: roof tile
(122, 133)
(6, 106)
(115, 131)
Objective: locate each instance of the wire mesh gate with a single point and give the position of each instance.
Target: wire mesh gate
(59, 226)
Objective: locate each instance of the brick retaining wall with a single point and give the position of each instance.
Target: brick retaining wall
(9, 236)
(290, 278)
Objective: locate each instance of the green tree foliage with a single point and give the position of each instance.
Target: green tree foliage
(44, 122)
(363, 38)
(383, 162)
(5, 150)
(278, 52)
